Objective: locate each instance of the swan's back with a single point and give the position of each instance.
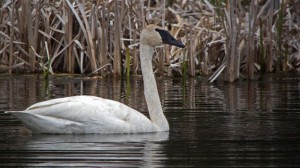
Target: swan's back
(83, 114)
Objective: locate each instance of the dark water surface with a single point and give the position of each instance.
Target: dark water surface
(248, 124)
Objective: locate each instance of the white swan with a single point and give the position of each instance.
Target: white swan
(90, 114)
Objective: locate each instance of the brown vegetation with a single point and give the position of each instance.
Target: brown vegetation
(101, 37)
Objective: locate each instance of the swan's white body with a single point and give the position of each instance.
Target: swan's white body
(84, 114)
(89, 114)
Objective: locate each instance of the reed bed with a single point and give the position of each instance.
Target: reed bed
(98, 37)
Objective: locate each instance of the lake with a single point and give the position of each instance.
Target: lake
(246, 124)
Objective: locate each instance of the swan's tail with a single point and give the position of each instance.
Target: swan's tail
(11, 112)
(18, 114)
(30, 120)
(46, 124)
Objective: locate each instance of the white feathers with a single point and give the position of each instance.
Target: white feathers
(84, 114)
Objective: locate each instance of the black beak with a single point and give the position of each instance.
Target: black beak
(167, 38)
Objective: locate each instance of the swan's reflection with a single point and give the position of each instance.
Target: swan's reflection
(97, 150)
(90, 141)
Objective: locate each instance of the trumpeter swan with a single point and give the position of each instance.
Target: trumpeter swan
(90, 114)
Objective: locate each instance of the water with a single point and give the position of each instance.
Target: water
(248, 124)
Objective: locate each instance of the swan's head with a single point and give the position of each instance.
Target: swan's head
(154, 36)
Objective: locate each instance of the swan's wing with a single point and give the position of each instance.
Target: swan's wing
(77, 108)
(86, 114)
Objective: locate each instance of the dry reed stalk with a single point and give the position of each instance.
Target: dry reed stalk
(117, 47)
(250, 51)
(93, 21)
(261, 47)
(69, 59)
(127, 62)
(89, 37)
(142, 15)
(279, 38)
(11, 45)
(269, 48)
(36, 27)
(103, 36)
(191, 53)
(162, 55)
(27, 26)
(232, 68)
(133, 36)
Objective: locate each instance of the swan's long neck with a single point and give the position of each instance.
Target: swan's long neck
(151, 94)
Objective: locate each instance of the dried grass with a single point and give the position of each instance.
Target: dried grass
(101, 37)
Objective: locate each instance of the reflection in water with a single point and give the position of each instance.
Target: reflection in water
(91, 150)
(247, 124)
